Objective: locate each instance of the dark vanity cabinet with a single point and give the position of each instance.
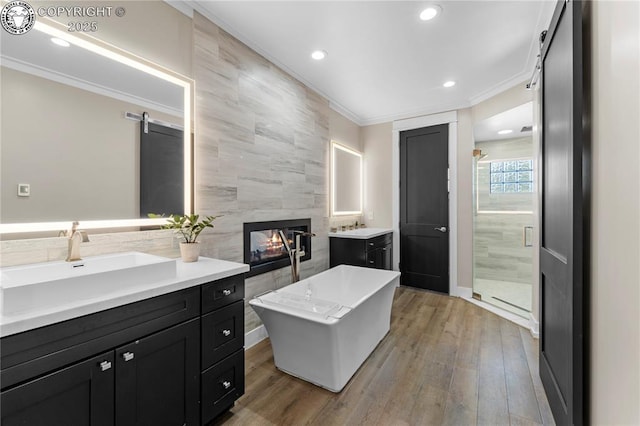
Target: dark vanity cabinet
(175, 359)
(375, 252)
(222, 345)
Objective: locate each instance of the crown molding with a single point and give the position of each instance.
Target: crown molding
(416, 113)
(521, 78)
(197, 6)
(189, 6)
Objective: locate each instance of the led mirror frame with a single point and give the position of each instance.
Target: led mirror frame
(125, 58)
(334, 146)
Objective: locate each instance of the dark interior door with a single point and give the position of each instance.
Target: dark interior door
(424, 208)
(161, 170)
(564, 203)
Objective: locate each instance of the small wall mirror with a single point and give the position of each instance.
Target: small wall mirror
(346, 181)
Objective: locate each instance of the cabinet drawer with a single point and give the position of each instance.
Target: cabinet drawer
(220, 293)
(34, 352)
(222, 333)
(379, 242)
(222, 384)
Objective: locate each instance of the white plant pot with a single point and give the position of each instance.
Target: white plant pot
(190, 251)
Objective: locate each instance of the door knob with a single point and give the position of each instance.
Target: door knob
(441, 229)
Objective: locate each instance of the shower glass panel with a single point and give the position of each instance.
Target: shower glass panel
(503, 200)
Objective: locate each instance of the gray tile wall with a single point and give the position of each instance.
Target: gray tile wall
(262, 147)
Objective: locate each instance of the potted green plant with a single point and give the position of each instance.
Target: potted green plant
(189, 227)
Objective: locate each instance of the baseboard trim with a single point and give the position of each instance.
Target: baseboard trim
(255, 336)
(534, 327)
(522, 322)
(465, 292)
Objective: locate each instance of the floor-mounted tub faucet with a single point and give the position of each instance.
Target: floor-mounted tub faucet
(295, 253)
(75, 238)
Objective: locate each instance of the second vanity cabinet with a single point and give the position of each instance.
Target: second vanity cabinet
(374, 252)
(144, 363)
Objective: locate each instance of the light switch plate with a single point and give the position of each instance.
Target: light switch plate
(24, 190)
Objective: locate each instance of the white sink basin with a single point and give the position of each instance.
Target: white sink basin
(47, 285)
(361, 233)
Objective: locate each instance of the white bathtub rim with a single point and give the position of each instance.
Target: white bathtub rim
(256, 303)
(386, 277)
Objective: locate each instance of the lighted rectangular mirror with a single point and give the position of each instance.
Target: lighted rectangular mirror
(80, 159)
(346, 180)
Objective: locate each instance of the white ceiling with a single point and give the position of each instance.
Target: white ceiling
(383, 62)
(514, 119)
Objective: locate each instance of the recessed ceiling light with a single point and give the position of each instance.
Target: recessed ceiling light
(449, 83)
(319, 55)
(430, 12)
(60, 42)
(505, 132)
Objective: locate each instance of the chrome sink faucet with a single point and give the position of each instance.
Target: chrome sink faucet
(295, 253)
(75, 238)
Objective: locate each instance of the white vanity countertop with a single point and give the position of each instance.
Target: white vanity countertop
(187, 275)
(361, 233)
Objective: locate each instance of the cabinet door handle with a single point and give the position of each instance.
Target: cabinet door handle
(371, 262)
(105, 365)
(127, 356)
(226, 384)
(226, 332)
(384, 249)
(226, 292)
(371, 244)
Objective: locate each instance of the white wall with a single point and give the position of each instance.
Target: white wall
(376, 140)
(345, 132)
(464, 182)
(615, 210)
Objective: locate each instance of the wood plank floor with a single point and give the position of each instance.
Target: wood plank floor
(445, 361)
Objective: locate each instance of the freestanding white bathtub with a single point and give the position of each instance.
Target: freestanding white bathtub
(324, 327)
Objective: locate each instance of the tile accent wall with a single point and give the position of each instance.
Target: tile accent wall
(262, 147)
(35, 250)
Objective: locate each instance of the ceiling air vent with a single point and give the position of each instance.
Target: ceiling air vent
(526, 129)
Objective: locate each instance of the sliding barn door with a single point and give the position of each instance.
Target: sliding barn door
(564, 198)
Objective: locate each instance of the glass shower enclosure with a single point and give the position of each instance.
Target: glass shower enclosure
(503, 203)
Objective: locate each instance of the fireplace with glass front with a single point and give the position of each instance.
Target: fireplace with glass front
(263, 248)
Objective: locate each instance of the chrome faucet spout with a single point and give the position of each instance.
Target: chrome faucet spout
(295, 253)
(304, 234)
(73, 243)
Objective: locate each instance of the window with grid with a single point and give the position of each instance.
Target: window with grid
(511, 176)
